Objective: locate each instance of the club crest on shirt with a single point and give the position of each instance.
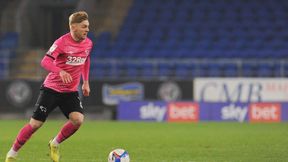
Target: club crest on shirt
(87, 51)
(52, 49)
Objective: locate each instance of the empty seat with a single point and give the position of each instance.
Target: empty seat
(205, 30)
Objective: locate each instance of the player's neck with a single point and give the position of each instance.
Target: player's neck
(75, 38)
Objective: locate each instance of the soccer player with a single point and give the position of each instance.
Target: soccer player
(67, 59)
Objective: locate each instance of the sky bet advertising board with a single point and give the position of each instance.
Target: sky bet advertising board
(262, 112)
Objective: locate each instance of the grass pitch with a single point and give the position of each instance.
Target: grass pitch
(156, 142)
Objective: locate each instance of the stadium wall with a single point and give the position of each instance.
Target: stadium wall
(208, 99)
(21, 95)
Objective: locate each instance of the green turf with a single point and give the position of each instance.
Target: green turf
(156, 142)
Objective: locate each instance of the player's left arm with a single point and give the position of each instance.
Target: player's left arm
(85, 76)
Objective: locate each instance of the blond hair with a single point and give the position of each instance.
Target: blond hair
(78, 17)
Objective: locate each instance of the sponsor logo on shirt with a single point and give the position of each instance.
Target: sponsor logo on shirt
(73, 60)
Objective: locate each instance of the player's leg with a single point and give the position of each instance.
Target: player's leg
(23, 136)
(72, 108)
(70, 127)
(44, 105)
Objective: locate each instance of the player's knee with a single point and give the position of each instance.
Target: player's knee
(35, 124)
(77, 119)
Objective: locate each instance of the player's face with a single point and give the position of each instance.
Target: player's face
(81, 30)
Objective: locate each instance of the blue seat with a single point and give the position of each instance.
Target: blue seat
(231, 70)
(248, 70)
(165, 69)
(211, 29)
(214, 70)
(132, 70)
(9, 40)
(114, 71)
(147, 70)
(265, 70)
(278, 71)
(198, 70)
(99, 70)
(182, 71)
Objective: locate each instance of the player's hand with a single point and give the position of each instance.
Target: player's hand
(65, 77)
(86, 88)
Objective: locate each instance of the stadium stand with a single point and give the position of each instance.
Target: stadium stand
(183, 39)
(205, 30)
(8, 44)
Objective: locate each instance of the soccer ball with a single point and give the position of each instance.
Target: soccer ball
(118, 155)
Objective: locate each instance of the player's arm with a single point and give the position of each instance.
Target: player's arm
(85, 76)
(48, 63)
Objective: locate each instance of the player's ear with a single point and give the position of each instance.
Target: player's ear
(72, 27)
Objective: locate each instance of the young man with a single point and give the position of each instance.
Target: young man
(67, 59)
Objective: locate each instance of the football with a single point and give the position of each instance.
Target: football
(118, 155)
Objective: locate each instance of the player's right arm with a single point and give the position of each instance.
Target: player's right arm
(48, 63)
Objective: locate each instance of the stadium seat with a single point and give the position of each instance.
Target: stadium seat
(208, 30)
(230, 70)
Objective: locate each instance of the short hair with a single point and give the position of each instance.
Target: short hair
(78, 17)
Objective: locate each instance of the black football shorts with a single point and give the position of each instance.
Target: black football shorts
(49, 99)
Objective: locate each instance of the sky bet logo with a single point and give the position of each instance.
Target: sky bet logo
(153, 111)
(234, 112)
(265, 112)
(183, 112)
